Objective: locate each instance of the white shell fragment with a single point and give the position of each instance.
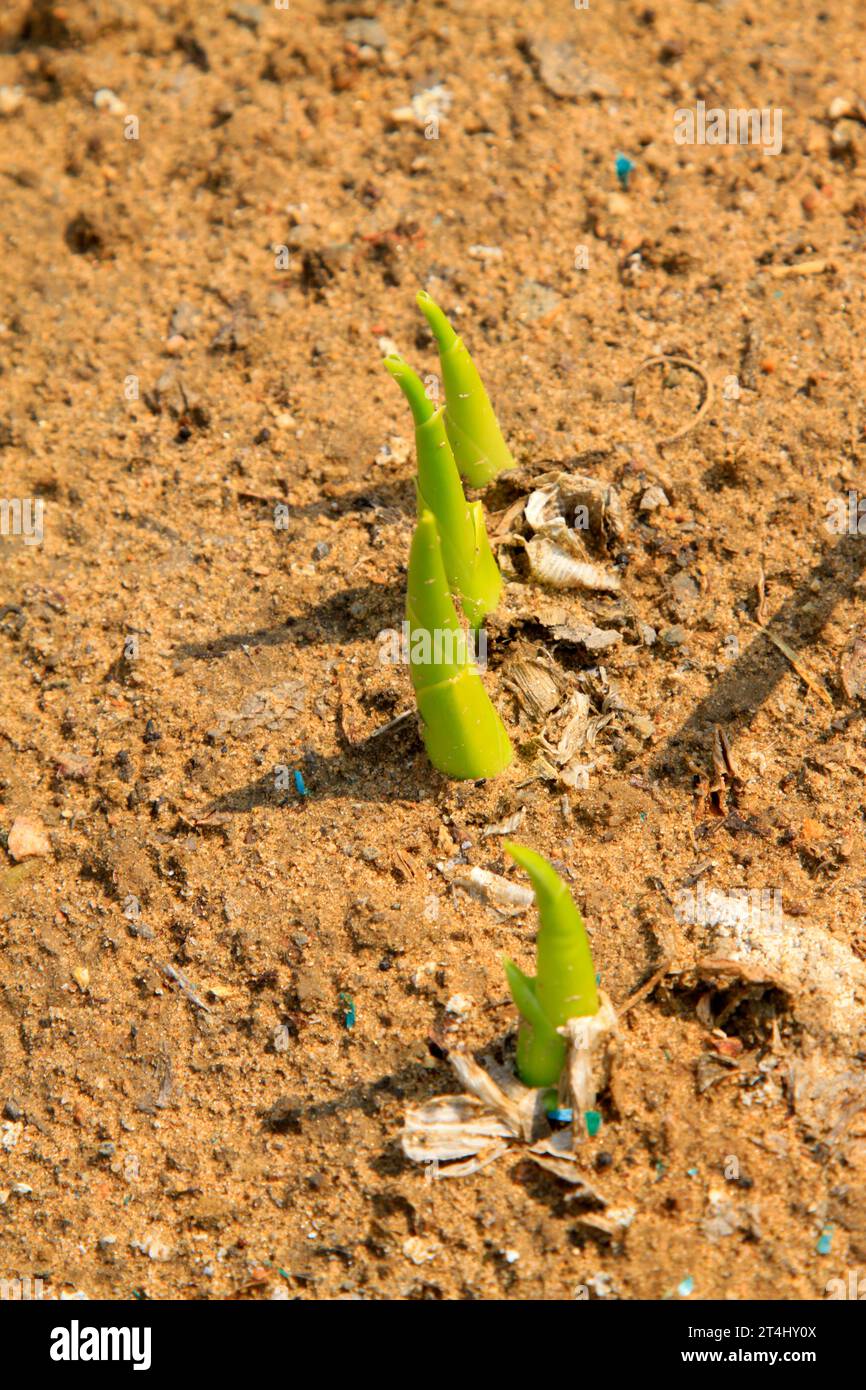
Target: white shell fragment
(559, 512)
(576, 494)
(558, 558)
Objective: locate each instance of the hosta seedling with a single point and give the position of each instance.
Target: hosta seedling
(472, 572)
(564, 984)
(476, 439)
(462, 732)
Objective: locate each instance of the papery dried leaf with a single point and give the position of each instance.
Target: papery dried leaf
(449, 1127)
(587, 1071)
(564, 1166)
(471, 1165)
(518, 1112)
(536, 682)
(573, 735)
(507, 826)
(575, 775)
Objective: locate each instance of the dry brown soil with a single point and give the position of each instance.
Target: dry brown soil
(167, 387)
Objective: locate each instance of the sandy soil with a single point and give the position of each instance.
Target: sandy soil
(227, 481)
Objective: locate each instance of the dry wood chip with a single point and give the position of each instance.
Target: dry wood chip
(852, 669)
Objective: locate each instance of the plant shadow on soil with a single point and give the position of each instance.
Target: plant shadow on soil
(329, 622)
(752, 678)
(736, 696)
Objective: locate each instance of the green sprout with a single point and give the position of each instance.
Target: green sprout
(479, 449)
(462, 732)
(564, 984)
(469, 564)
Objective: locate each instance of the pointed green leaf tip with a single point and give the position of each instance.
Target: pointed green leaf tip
(462, 732)
(473, 574)
(564, 985)
(479, 449)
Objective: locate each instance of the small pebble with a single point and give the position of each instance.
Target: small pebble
(11, 100)
(485, 253)
(459, 1006)
(107, 100)
(653, 498)
(367, 33)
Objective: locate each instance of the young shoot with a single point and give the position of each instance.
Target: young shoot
(564, 983)
(462, 732)
(476, 439)
(471, 570)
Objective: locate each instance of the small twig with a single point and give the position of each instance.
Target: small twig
(783, 272)
(709, 395)
(647, 987)
(795, 662)
(761, 610)
(185, 985)
(247, 495)
(392, 724)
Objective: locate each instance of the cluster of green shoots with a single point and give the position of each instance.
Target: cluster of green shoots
(453, 584)
(454, 581)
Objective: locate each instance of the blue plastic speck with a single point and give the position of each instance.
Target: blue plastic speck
(624, 166)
